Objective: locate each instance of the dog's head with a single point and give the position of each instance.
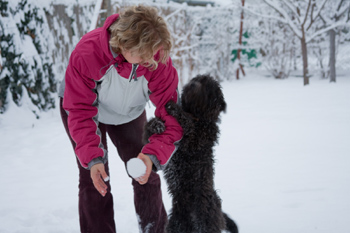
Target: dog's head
(203, 98)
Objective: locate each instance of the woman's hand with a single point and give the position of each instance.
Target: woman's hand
(148, 162)
(97, 172)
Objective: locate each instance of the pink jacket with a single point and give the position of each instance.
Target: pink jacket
(101, 86)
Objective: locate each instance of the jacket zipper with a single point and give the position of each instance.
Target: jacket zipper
(127, 89)
(133, 72)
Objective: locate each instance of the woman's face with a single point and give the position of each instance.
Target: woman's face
(131, 57)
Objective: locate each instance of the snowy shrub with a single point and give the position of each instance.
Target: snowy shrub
(218, 37)
(3, 8)
(27, 66)
(13, 72)
(36, 41)
(277, 48)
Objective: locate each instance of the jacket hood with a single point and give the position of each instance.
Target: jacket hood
(105, 36)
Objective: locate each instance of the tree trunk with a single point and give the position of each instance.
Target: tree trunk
(332, 55)
(106, 11)
(107, 6)
(0, 61)
(305, 64)
(240, 44)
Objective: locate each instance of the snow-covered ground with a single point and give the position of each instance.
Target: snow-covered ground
(283, 163)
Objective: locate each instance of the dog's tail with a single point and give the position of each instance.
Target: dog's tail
(231, 226)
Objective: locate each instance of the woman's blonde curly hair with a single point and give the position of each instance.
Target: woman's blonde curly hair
(140, 30)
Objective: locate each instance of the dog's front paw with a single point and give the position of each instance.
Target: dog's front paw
(154, 126)
(172, 108)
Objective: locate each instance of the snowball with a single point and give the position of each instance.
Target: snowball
(136, 167)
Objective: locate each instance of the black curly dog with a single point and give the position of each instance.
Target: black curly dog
(196, 206)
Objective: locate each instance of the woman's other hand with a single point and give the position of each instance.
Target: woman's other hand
(99, 177)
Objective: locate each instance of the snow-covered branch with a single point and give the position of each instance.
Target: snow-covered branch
(185, 48)
(278, 9)
(319, 32)
(292, 8)
(166, 18)
(286, 18)
(245, 8)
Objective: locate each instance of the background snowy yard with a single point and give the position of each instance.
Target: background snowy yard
(283, 163)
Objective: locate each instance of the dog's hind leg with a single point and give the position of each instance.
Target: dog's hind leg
(231, 226)
(209, 217)
(179, 222)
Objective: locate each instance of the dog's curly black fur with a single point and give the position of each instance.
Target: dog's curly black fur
(196, 206)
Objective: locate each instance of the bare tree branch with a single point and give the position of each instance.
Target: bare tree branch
(312, 13)
(340, 4)
(341, 11)
(311, 16)
(338, 24)
(306, 13)
(291, 7)
(320, 9)
(323, 20)
(313, 19)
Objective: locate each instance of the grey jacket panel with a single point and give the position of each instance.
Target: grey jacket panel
(119, 100)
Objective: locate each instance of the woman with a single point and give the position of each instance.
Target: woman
(112, 73)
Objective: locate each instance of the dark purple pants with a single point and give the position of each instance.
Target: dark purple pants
(96, 212)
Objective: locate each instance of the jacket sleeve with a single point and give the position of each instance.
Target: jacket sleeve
(163, 87)
(80, 100)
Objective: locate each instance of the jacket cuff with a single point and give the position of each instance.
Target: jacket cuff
(96, 161)
(156, 164)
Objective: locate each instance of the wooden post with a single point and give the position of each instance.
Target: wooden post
(240, 45)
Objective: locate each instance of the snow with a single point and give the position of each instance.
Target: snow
(223, 2)
(136, 167)
(282, 163)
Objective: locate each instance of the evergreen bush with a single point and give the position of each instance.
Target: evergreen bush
(31, 75)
